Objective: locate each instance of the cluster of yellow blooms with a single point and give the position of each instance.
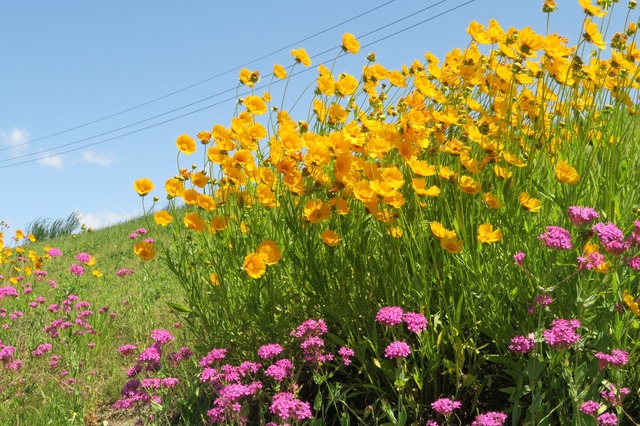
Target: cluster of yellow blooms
(475, 121)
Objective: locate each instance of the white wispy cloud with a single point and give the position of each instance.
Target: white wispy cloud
(101, 219)
(98, 158)
(54, 161)
(16, 141)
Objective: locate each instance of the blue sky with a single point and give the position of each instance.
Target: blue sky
(114, 64)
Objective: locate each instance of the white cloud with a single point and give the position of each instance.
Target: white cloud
(16, 141)
(51, 160)
(98, 158)
(106, 218)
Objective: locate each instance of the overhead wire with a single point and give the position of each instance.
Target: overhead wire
(206, 80)
(217, 94)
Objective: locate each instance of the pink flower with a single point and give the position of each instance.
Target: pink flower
(397, 350)
(580, 215)
(518, 258)
(557, 238)
(562, 333)
(83, 257)
(161, 336)
(270, 350)
(445, 406)
(522, 344)
(492, 418)
(76, 270)
(590, 407)
(54, 252)
(617, 358)
(346, 354)
(607, 419)
(390, 316)
(285, 406)
(416, 322)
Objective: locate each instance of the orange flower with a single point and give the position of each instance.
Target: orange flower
(269, 252)
(162, 218)
(254, 265)
(469, 185)
(487, 235)
(186, 144)
(330, 238)
(566, 174)
(279, 71)
(144, 250)
(440, 232)
(452, 245)
(529, 203)
(491, 200)
(194, 222)
(315, 211)
(143, 186)
(350, 44)
(255, 105)
(301, 56)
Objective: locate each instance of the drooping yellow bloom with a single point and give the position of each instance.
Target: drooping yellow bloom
(186, 144)
(330, 238)
(591, 10)
(254, 265)
(144, 250)
(301, 56)
(452, 245)
(440, 232)
(491, 200)
(592, 34)
(194, 222)
(162, 218)
(631, 303)
(487, 235)
(350, 44)
(566, 174)
(255, 105)
(279, 71)
(143, 186)
(269, 252)
(530, 203)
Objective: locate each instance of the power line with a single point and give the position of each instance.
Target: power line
(216, 95)
(230, 70)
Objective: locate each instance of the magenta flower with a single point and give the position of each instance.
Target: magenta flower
(83, 257)
(54, 252)
(590, 261)
(613, 395)
(397, 350)
(212, 356)
(161, 336)
(518, 258)
(280, 370)
(269, 351)
(445, 406)
(607, 419)
(390, 316)
(286, 406)
(310, 328)
(346, 354)
(562, 333)
(522, 344)
(611, 237)
(590, 407)
(580, 215)
(617, 358)
(557, 238)
(492, 418)
(76, 270)
(124, 272)
(416, 322)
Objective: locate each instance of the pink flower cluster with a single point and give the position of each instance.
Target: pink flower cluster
(562, 333)
(617, 358)
(581, 215)
(492, 418)
(286, 406)
(522, 344)
(611, 237)
(397, 350)
(557, 238)
(445, 406)
(391, 316)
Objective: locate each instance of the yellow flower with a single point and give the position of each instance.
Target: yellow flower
(487, 235)
(631, 303)
(491, 200)
(469, 185)
(440, 232)
(144, 250)
(186, 144)
(330, 238)
(31, 238)
(254, 266)
(529, 203)
(301, 56)
(346, 85)
(395, 232)
(204, 137)
(592, 34)
(143, 186)
(315, 211)
(269, 252)
(215, 281)
(350, 44)
(590, 9)
(248, 78)
(452, 245)
(162, 218)
(218, 223)
(194, 222)
(255, 105)
(174, 187)
(566, 174)
(279, 71)
(97, 273)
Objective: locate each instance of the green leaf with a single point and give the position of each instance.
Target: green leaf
(179, 308)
